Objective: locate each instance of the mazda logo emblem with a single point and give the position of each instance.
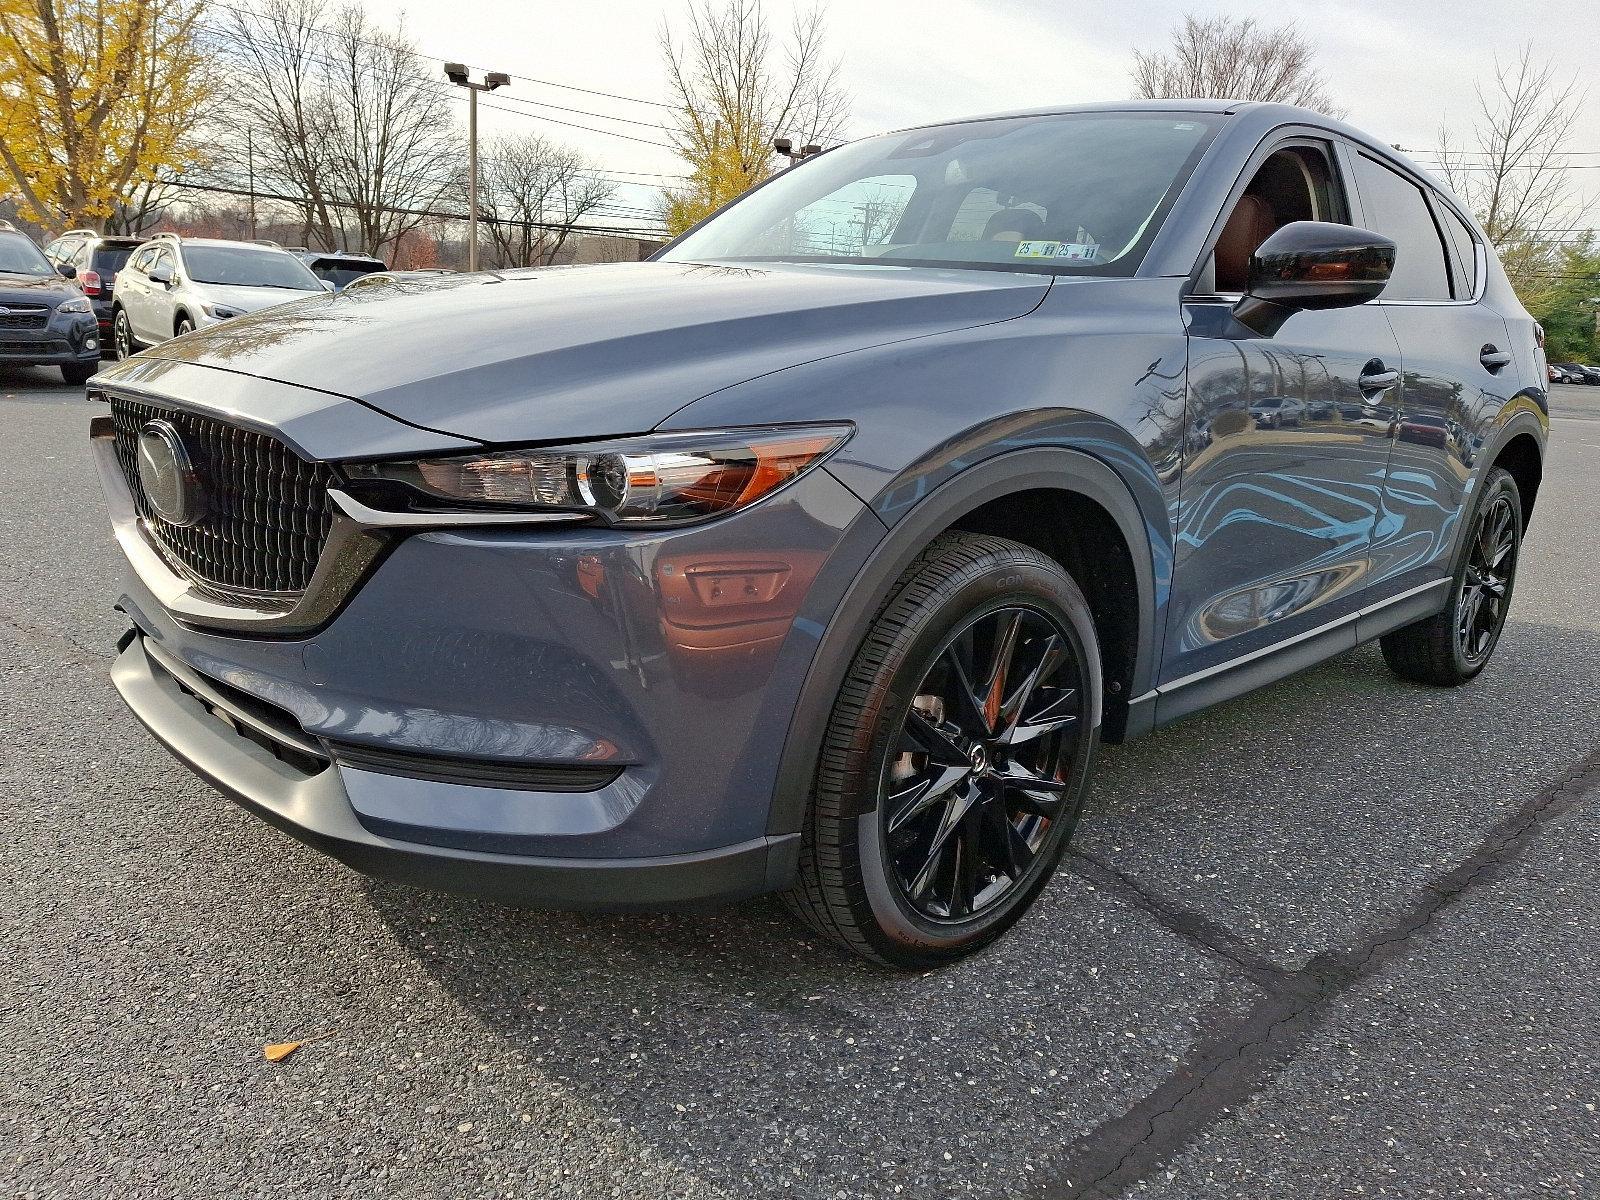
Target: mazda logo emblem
(167, 475)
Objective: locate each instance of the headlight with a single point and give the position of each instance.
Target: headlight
(221, 312)
(79, 305)
(673, 478)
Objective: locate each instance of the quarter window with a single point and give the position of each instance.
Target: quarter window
(1397, 209)
(1466, 253)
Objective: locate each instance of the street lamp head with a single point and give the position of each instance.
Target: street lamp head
(784, 146)
(808, 151)
(497, 79)
(456, 73)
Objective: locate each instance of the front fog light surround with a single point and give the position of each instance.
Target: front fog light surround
(675, 478)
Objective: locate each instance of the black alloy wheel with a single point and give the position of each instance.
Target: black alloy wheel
(1486, 583)
(955, 758)
(1454, 645)
(121, 336)
(982, 766)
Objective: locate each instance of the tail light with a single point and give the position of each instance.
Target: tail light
(90, 281)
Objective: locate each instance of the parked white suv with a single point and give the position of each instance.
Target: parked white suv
(172, 285)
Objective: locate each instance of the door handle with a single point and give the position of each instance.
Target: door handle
(1375, 377)
(1493, 358)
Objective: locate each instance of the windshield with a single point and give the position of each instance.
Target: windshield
(1078, 193)
(238, 266)
(19, 256)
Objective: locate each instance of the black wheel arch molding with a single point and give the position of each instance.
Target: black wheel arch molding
(1006, 470)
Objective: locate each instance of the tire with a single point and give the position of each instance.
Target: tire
(184, 326)
(1453, 646)
(78, 373)
(122, 343)
(897, 769)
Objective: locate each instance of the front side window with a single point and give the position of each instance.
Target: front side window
(240, 266)
(1397, 209)
(1075, 193)
(19, 256)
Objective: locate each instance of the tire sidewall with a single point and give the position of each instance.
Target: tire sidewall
(1037, 585)
(1499, 483)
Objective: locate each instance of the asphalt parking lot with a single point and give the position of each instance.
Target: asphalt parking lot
(1337, 938)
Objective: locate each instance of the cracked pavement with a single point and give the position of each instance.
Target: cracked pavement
(1335, 938)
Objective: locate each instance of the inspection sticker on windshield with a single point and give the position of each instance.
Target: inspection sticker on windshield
(1070, 251)
(1036, 249)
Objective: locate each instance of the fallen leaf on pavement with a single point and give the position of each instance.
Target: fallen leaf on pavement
(278, 1051)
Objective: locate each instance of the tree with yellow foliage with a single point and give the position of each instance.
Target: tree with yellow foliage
(97, 98)
(730, 98)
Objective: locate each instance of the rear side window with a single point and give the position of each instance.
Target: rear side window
(1465, 246)
(1397, 209)
(111, 258)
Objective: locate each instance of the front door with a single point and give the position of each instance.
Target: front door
(1287, 441)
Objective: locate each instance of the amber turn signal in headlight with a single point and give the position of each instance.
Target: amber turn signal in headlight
(670, 478)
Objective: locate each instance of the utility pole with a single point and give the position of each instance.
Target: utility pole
(250, 159)
(457, 74)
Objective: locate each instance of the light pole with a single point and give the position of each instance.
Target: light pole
(457, 74)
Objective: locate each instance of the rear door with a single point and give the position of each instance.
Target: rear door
(1459, 371)
(1287, 440)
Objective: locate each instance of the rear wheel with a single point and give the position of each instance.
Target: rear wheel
(1453, 646)
(955, 761)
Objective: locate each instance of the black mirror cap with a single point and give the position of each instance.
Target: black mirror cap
(67, 270)
(1313, 265)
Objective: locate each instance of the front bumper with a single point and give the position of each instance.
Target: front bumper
(312, 804)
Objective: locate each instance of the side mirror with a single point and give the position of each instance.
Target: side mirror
(1313, 265)
(161, 273)
(67, 270)
(327, 286)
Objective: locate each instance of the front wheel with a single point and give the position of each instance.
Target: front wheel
(1452, 647)
(184, 326)
(956, 757)
(78, 373)
(122, 335)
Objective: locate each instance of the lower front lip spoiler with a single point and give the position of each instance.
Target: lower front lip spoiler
(314, 808)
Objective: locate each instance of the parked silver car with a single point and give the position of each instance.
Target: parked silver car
(173, 285)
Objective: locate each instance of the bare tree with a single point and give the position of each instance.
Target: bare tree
(531, 192)
(345, 118)
(1514, 175)
(396, 146)
(733, 89)
(1231, 59)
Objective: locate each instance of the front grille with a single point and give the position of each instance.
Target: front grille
(24, 318)
(267, 511)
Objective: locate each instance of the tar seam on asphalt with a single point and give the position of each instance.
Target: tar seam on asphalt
(1234, 1062)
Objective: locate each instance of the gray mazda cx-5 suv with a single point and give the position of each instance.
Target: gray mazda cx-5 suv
(816, 554)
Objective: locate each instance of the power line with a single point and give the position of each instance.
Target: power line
(610, 230)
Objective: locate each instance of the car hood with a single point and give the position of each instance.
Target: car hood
(35, 289)
(580, 352)
(250, 299)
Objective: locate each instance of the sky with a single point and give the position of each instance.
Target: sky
(1401, 67)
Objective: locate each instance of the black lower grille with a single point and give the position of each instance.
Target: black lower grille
(266, 516)
(19, 347)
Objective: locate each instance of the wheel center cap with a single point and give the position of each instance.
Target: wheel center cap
(979, 758)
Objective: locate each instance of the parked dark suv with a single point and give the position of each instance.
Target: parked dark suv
(816, 554)
(97, 260)
(45, 321)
